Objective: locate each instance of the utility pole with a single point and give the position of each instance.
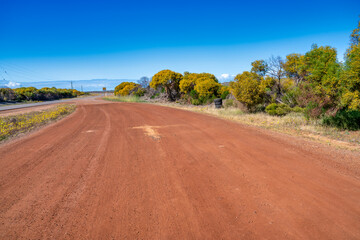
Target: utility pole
(71, 85)
(81, 88)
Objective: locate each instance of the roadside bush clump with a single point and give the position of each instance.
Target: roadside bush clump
(297, 109)
(207, 88)
(125, 88)
(201, 88)
(7, 94)
(275, 109)
(196, 102)
(169, 81)
(139, 92)
(347, 120)
(250, 89)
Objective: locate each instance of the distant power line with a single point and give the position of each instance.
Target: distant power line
(20, 73)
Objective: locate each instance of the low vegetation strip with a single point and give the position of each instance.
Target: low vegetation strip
(13, 125)
(34, 94)
(124, 99)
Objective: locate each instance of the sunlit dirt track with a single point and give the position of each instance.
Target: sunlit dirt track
(140, 171)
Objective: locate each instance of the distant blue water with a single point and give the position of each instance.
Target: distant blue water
(85, 85)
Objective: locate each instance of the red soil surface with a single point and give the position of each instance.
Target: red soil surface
(140, 171)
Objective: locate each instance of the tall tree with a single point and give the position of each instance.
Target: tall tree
(144, 82)
(350, 80)
(321, 91)
(276, 71)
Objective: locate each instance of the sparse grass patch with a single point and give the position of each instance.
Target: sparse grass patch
(124, 99)
(13, 125)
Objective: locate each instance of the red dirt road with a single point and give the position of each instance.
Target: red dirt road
(140, 171)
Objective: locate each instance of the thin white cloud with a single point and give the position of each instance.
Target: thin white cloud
(12, 84)
(226, 77)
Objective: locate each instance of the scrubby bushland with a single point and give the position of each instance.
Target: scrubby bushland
(314, 83)
(33, 94)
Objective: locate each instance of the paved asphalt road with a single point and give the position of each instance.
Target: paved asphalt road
(5, 107)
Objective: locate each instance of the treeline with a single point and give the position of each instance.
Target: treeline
(33, 94)
(314, 83)
(194, 88)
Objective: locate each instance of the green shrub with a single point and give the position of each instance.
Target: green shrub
(140, 92)
(297, 109)
(275, 109)
(196, 102)
(224, 94)
(193, 94)
(347, 120)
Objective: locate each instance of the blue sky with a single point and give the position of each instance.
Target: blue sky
(70, 40)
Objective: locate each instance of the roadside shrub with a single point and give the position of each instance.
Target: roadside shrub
(193, 94)
(290, 97)
(347, 120)
(169, 81)
(297, 109)
(316, 102)
(275, 109)
(7, 94)
(204, 87)
(196, 101)
(124, 88)
(207, 88)
(140, 92)
(250, 89)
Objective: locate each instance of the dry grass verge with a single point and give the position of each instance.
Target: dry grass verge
(293, 123)
(16, 124)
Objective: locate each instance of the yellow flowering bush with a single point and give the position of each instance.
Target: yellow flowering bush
(124, 88)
